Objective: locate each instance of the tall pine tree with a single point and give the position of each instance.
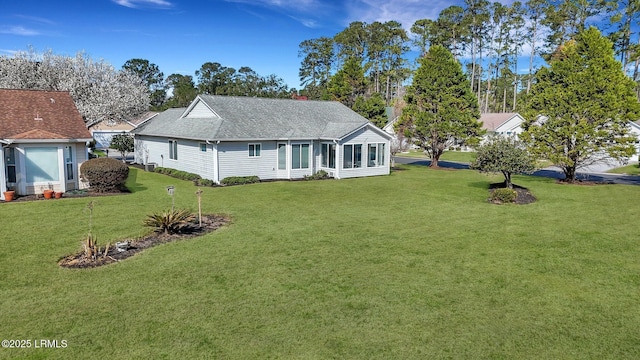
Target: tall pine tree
(579, 107)
(441, 108)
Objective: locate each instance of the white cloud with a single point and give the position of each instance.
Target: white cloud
(143, 3)
(305, 6)
(19, 30)
(10, 52)
(306, 12)
(405, 12)
(36, 19)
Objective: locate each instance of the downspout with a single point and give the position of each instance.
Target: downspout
(216, 163)
(337, 160)
(289, 151)
(3, 183)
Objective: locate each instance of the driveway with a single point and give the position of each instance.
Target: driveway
(550, 172)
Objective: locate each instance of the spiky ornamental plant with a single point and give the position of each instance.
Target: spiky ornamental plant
(170, 221)
(441, 108)
(579, 107)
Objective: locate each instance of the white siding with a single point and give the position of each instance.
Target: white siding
(233, 157)
(512, 127)
(235, 161)
(154, 150)
(365, 137)
(200, 110)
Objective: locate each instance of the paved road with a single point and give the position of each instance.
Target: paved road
(550, 172)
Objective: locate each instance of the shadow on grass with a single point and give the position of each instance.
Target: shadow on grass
(132, 184)
(480, 184)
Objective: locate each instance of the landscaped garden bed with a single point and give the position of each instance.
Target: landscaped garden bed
(111, 253)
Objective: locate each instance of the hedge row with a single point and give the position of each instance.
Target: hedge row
(240, 180)
(184, 175)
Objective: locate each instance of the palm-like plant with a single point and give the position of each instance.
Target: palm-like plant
(170, 221)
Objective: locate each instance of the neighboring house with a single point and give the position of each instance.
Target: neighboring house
(219, 136)
(103, 132)
(634, 127)
(502, 123)
(43, 139)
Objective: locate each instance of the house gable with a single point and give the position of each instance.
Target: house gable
(200, 109)
(502, 123)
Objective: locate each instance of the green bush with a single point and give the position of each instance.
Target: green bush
(320, 175)
(179, 174)
(204, 182)
(503, 195)
(171, 221)
(105, 174)
(240, 180)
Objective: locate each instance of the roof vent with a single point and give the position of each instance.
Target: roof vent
(53, 101)
(38, 118)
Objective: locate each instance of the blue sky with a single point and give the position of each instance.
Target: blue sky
(180, 36)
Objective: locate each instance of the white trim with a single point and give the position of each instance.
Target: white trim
(194, 103)
(254, 156)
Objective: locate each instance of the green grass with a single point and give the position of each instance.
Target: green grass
(415, 265)
(458, 156)
(632, 169)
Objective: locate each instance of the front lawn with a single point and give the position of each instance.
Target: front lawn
(415, 265)
(631, 169)
(452, 155)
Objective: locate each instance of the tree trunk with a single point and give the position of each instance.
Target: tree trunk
(507, 179)
(435, 157)
(569, 173)
(504, 100)
(515, 93)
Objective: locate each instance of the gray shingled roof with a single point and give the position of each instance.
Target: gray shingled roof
(246, 118)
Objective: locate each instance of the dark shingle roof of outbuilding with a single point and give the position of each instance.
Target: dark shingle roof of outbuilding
(246, 118)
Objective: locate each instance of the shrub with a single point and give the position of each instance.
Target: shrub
(240, 180)
(170, 221)
(320, 175)
(179, 174)
(503, 195)
(204, 182)
(105, 174)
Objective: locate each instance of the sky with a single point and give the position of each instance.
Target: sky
(179, 36)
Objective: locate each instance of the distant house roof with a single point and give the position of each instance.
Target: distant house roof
(247, 118)
(40, 115)
(124, 125)
(492, 121)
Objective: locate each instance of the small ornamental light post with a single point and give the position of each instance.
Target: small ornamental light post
(170, 191)
(199, 194)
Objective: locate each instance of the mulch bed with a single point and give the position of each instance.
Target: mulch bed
(69, 194)
(524, 195)
(210, 223)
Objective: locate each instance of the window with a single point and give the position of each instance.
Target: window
(203, 147)
(68, 162)
(352, 156)
(10, 156)
(254, 150)
(173, 149)
(282, 156)
(300, 156)
(41, 164)
(328, 156)
(376, 155)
